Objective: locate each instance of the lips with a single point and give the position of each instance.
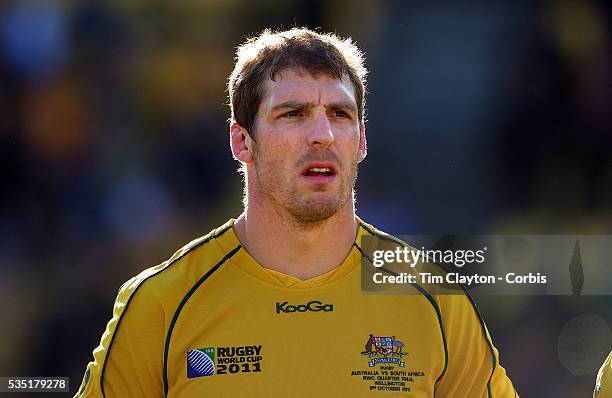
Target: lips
(320, 173)
(321, 169)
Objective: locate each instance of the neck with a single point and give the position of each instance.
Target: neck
(302, 250)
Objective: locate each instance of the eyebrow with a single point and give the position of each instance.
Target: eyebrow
(345, 105)
(292, 105)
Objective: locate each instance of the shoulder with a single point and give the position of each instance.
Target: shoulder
(370, 239)
(373, 240)
(191, 261)
(603, 386)
(447, 298)
(463, 330)
(370, 230)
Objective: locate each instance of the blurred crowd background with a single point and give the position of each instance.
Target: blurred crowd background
(483, 117)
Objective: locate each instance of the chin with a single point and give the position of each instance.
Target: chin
(315, 209)
(312, 215)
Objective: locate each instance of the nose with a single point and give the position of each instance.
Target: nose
(321, 134)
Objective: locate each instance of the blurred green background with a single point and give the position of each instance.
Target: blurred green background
(483, 117)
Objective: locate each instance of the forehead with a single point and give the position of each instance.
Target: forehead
(299, 85)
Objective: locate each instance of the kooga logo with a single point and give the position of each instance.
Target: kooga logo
(311, 306)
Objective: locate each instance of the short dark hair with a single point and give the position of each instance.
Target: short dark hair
(270, 52)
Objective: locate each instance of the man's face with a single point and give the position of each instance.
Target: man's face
(308, 141)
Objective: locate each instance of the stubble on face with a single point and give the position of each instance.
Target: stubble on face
(305, 208)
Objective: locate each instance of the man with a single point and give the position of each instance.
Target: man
(603, 386)
(270, 304)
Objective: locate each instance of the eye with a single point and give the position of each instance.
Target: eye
(292, 114)
(341, 114)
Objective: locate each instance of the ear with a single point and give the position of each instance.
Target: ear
(363, 144)
(241, 143)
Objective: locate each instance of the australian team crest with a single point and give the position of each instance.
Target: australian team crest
(384, 349)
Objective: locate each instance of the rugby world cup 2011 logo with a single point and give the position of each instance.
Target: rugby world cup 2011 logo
(384, 350)
(200, 362)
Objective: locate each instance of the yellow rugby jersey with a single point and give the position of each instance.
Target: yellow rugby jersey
(212, 322)
(603, 385)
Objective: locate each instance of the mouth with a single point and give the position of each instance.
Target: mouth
(319, 173)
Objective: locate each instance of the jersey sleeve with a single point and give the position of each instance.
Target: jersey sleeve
(603, 384)
(129, 360)
(473, 368)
